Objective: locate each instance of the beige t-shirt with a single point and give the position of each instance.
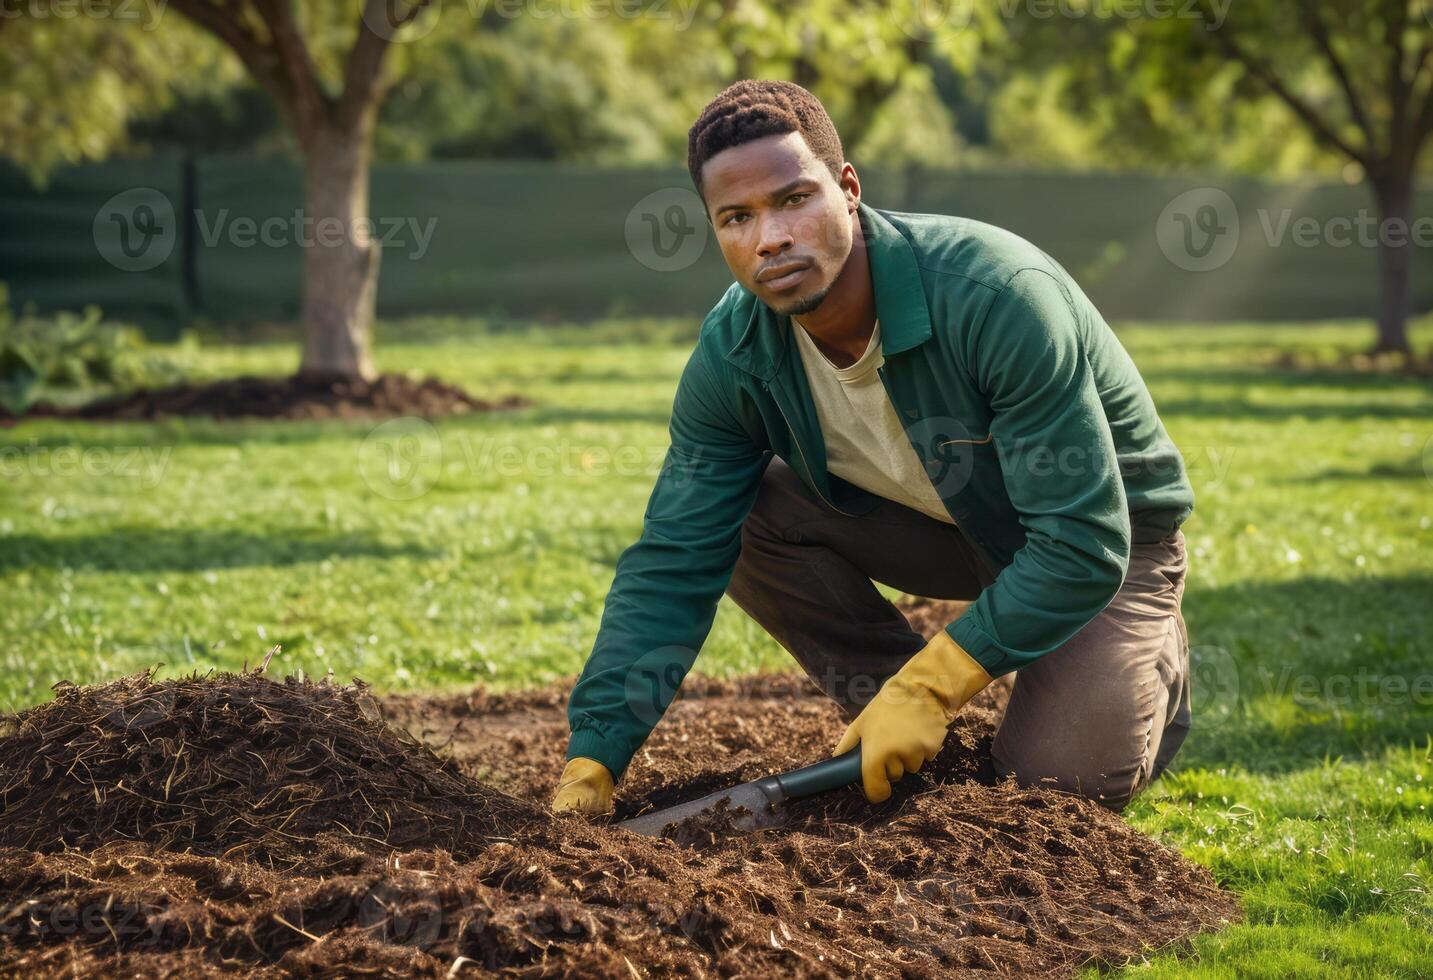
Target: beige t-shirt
(865, 441)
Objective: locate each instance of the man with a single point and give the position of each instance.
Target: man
(949, 415)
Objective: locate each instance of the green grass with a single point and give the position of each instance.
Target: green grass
(1306, 785)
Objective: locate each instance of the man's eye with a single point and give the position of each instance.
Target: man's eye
(733, 219)
(797, 198)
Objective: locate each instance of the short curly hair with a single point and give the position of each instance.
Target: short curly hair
(752, 109)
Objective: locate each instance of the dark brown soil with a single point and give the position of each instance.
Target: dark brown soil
(386, 396)
(237, 766)
(305, 820)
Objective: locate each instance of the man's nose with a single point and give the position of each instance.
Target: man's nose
(775, 238)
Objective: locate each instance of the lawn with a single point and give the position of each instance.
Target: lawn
(480, 549)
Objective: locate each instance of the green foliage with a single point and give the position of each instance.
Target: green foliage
(69, 85)
(76, 352)
(605, 89)
(1144, 85)
(576, 84)
(557, 88)
(912, 127)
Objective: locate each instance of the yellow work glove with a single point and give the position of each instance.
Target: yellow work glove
(905, 723)
(585, 786)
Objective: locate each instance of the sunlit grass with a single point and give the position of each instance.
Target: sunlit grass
(1305, 785)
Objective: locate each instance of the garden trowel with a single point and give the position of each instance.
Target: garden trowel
(757, 804)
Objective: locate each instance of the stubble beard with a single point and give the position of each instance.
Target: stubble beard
(804, 305)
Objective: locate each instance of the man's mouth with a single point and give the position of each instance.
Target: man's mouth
(783, 276)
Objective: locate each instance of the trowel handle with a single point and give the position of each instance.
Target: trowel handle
(843, 770)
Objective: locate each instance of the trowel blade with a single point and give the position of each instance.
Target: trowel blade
(749, 806)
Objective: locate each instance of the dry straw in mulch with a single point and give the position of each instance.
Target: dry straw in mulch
(323, 843)
(234, 765)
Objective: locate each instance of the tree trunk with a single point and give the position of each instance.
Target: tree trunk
(1395, 262)
(340, 285)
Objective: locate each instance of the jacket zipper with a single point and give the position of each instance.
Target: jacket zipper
(804, 461)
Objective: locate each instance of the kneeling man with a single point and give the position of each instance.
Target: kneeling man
(927, 401)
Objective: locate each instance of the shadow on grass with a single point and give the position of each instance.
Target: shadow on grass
(150, 438)
(1288, 379)
(1288, 673)
(1413, 468)
(1221, 407)
(143, 549)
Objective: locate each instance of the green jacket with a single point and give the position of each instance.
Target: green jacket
(1035, 426)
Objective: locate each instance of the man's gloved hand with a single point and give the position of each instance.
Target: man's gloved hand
(905, 723)
(585, 786)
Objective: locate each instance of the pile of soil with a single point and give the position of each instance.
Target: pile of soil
(388, 395)
(955, 875)
(235, 765)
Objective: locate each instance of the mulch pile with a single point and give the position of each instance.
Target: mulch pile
(388, 395)
(234, 824)
(237, 766)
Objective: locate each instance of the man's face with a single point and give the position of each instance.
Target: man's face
(782, 221)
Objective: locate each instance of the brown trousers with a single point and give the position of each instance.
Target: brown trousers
(1100, 716)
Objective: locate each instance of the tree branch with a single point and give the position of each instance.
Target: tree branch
(1320, 33)
(310, 101)
(1423, 123)
(363, 73)
(222, 20)
(1311, 118)
(1398, 86)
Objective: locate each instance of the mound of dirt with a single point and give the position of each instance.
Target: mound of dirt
(235, 765)
(386, 396)
(956, 875)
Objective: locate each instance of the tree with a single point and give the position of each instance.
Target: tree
(333, 124)
(1352, 80)
(623, 89)
(1389, 50)
(322, 64)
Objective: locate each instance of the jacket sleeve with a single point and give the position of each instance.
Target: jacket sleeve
(1058, 463)
(664, 594)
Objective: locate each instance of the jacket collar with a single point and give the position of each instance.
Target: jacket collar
(900, 303)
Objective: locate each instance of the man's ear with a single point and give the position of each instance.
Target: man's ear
(851, 187)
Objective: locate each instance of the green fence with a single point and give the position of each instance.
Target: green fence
(167, 240)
